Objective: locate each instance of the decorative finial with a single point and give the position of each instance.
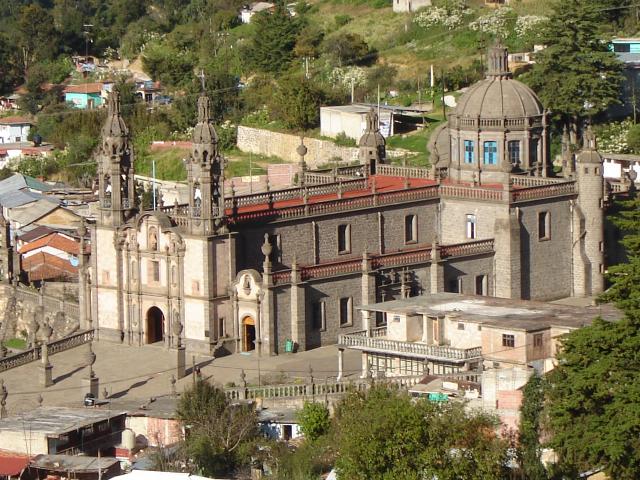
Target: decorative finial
(589, 139)
(266, 247)
(498, 58)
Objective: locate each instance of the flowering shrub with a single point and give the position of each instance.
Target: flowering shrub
(227, 135)
(527, 24)
(496, 23)
(612, 137)
(449, 15)
(347, 76)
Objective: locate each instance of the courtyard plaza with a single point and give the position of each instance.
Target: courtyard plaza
(134, 373)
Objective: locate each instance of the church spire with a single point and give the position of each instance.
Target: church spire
(115, 167)
(205, 174)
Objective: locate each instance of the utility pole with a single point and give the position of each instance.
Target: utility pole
(306, 67)
(353, 89)
(419, 93)
(378, 106)
(86, 32)
(444, 112)
(153, 182)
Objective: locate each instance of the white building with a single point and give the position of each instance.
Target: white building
(406, 6)
(351, 120)
(249, 11)
(14, 129)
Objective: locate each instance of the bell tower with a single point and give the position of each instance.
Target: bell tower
(115, 168)
(205, 176)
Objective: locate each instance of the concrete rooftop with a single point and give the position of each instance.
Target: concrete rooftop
(500, 312)
(55, 420)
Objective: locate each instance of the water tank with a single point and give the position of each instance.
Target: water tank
(128, 439)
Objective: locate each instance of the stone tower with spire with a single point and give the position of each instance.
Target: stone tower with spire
(588, 230)
(372, 143)
(116, 190)
(205, 176)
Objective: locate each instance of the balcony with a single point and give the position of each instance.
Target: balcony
(377, 343)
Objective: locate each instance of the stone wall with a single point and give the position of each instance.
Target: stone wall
(284, 145)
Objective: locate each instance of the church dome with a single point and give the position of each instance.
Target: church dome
(498, 95)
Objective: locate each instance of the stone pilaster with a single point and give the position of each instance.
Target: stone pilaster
(298, 309)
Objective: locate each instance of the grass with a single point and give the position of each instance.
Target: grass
(242, 163)
(16, 343)
(169, 164)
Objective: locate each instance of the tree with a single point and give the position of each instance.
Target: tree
(274, 39)
(385, 434)
(296, 103)
(36, 36)
(349, 49)
(576, 75)
(594, 400)
(216, 428)
(625, 277)
(9, 71)
(529, 438)
(314, 420)
(633, 138)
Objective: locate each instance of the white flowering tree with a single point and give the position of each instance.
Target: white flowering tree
(450, 15)
(498, 23)
(612, 137)
(346, 77)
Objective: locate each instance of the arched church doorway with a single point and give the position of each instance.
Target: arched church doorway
(155, 325)
(248, 334)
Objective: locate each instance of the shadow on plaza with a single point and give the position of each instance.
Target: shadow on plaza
(69, 374)
(133, 386)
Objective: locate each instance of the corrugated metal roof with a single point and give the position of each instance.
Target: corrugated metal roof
(27, 214)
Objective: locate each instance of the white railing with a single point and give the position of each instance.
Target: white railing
(408, 348)
(304, 390)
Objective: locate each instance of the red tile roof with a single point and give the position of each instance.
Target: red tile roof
(84, 88)
(12, 464)
(15, 120)
(55, 240)
(44, 266)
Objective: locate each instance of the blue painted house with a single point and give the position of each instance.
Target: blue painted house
(84, 96)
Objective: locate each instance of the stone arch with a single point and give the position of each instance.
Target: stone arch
(154, 325)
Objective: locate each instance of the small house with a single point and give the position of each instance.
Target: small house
(84, 96)
(14, 129)
(249, 11)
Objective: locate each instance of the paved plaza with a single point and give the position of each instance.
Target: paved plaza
(138, 373)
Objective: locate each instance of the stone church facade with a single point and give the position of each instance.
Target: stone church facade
(230, 273)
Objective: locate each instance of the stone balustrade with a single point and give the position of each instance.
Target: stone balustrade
(412, 349)
(403, 171)
(302, 390)
(386, 260)
(479, 247)
(528, 181)
(471, 192)
(543, 191)
(57, 346)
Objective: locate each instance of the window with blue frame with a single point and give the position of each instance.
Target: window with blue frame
(490, 153)
(468, 151)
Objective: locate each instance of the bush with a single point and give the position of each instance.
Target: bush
(633, 138)
(314, 420)
(342, 20)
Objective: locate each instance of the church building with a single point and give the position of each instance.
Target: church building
(266, 271)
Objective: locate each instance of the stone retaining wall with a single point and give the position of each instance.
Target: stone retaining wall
(284, 145)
